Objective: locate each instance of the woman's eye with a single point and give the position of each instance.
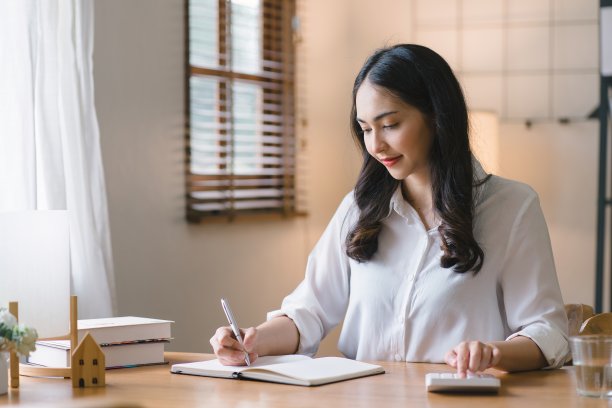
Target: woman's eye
(366, 130)
(390, 126)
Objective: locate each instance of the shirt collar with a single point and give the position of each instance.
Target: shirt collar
(479, 173)
(400, 205)
(479, 180)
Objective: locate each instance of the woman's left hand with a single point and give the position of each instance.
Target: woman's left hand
(472, 356)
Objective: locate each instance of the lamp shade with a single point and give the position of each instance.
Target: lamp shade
(484, 139)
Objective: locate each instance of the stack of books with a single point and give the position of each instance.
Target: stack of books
(126, 342)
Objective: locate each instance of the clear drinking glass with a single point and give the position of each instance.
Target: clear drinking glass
(592, 359)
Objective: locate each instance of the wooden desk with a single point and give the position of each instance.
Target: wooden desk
(403, 385)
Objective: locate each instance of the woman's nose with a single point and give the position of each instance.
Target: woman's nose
(378, 142)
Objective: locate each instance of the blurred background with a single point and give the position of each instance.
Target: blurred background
(530, 72)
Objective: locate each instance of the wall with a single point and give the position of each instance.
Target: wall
(519, 58)
(560, 163)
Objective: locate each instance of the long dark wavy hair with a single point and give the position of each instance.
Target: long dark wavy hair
(421, 78)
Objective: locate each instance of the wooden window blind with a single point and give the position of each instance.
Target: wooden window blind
(241, 131)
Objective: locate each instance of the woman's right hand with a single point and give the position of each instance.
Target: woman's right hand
(229, 351)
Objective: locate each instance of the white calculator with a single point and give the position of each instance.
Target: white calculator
(451, 382)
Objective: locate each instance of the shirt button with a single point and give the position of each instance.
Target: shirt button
(398, 357)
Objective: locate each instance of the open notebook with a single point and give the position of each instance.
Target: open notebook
(289, 369)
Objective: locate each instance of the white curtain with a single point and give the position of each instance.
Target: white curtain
(50, 156)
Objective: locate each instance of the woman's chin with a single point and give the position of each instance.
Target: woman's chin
(397, 174)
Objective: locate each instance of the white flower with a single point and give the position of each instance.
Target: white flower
(28, 341)
(7, 318)
(16, 337)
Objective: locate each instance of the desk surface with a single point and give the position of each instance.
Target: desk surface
(402, 385)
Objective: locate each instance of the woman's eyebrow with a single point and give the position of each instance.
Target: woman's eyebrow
(378, 117)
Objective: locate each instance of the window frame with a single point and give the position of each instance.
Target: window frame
(280, 37)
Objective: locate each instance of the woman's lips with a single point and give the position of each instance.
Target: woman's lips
(390, 161)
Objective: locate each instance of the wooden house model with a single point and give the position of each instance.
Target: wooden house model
(88, 364)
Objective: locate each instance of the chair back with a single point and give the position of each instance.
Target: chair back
(577, 314)
(599, 324)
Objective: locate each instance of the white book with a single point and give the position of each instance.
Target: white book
(123, 329)
(56, 353)
(289, 369)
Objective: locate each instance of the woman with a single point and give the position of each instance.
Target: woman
(428, 259)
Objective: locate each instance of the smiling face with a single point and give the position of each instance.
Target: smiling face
(394, 132)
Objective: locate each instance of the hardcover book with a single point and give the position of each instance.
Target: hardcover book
(56, 353)
(124, 329)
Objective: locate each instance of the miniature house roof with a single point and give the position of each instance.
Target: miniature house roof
(86, 344)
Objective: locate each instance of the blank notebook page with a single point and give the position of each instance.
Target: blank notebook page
(326, 367)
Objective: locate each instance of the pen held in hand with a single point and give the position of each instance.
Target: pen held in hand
(235, 329)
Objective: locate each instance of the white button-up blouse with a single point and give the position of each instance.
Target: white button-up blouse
(402, 305)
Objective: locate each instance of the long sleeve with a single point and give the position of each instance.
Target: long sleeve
(319, 303)
(531, 292)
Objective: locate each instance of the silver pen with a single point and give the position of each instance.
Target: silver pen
(234, 326)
